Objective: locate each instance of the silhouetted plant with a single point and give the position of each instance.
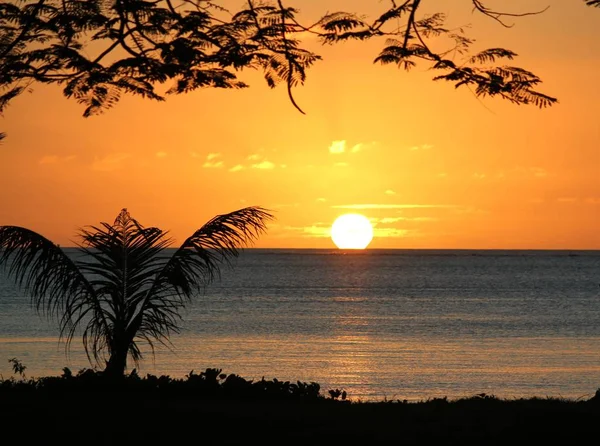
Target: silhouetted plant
(337, 393)
(209, 384)
(125, 288)
(18, 367)
(97, 50)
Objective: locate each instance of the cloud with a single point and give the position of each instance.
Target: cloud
(321, 200)
(315, 230)
(340, 165)
(237, 168)
(421, 147)
(536, 171)
(567, 200)
(357, 148)
(48, 159)
(389, 232)
(390, 192)
(264, 165)
(161, 154)
(213, 164)
(479, 176)
(539, 172)
(259, 163)
(211, 161)
(592, 200)
(471, 210)
(195, 155)
(337, 147)
(393, 206)
(111, 162)
(55, 159)
(390, 220)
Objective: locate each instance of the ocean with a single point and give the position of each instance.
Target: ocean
(380, 324)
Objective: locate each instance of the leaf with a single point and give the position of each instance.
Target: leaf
(491, 54)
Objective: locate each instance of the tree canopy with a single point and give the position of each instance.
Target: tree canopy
(97, 50)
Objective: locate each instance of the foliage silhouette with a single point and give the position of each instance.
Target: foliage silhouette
(210, 384)
(126, 288)
(98, 49)
(163, 410)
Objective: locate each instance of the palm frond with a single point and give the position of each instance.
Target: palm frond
(124, 289)
(193, 266)
(124, 258)
(42, 269)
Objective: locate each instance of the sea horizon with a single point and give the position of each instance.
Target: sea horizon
(408, 324)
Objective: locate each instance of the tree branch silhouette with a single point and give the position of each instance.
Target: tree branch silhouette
(97, 50)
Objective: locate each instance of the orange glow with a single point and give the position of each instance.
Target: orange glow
(429, 165)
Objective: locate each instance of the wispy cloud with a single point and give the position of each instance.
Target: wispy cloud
(539, 172)
(340, 165)
(421, 147)
(195, 155)
(237, 168)
(316, 230)
(48, 159)
(108, 163)
(357, 147)
(257, 161)
(389, 232)
(337, 147)
(55, 159)
(391, 220)
(522, 171)
(390, 192)
(161, 154)
(264, 165)
(213, 161)
(341, 146)
(393, 206)
(321, 200)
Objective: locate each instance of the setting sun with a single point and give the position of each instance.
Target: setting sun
(352, 231)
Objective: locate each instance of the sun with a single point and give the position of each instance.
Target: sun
(352, 231)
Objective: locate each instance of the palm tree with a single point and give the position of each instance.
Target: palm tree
(126, 288)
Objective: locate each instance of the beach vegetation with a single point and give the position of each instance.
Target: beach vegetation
(211, 404)
(124, 289)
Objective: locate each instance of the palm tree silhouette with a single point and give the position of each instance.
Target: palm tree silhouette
(126, 288)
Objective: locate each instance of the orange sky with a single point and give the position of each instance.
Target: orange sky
(430, 166)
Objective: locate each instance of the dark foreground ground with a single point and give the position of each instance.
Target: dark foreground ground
(67, 412)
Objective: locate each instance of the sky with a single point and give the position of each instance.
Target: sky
(431, 166)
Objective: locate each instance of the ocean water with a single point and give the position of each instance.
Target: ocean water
(381, 324)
